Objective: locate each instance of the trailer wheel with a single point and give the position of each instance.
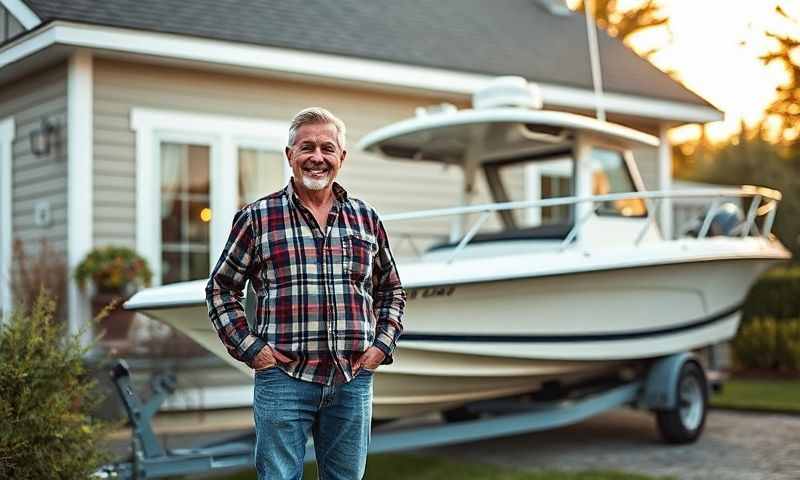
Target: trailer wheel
(459, 414)
(685, 423)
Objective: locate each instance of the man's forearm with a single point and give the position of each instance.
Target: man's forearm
(229, 320)
(224, 290)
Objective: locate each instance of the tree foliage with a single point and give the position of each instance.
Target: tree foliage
(624, 23)
(46, 396)
(786, 105)
(748, 158)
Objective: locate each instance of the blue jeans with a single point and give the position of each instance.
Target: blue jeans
(287, 410)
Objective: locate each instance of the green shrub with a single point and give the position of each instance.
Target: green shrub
(788, 346)
(766, 343)
(46, 430)
(755, 344)
(776, 294)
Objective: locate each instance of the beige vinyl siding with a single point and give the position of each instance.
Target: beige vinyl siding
(38, 178)
(391, 186)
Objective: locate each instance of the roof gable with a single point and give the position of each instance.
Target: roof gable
(15, 18)
(495, 38)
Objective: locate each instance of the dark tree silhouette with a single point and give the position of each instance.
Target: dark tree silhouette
(786, 105)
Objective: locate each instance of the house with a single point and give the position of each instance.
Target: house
(154, 114)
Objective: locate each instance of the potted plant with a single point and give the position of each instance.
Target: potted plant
(115, 273)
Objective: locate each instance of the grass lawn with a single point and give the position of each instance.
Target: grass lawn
(779, 395)
(408, 467)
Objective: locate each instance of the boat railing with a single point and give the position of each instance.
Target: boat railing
(763, 204)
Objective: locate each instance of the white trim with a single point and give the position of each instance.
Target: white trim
(6, 233)
(332, 66)
(466, 118)
(80, 157)
(665, 180)
(224, 135)
(533, 191)
(22, 13)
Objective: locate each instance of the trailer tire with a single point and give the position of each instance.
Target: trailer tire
(685, 423)
(459, 414)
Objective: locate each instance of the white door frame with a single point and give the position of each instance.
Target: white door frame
(6, 233)
(224, 135)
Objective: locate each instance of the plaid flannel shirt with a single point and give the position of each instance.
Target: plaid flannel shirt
(323, 296)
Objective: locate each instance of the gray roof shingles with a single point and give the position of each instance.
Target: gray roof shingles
(496, 37)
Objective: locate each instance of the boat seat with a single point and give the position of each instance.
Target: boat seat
(556, 231)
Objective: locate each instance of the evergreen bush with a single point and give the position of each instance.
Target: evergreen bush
(46, 396)
(776, 294)
(755, 344)
(768, 344)
(788, 346)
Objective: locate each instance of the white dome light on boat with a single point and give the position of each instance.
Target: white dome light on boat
(508, 91)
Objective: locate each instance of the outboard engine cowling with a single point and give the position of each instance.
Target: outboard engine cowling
(723, 224)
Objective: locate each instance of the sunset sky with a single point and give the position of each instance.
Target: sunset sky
(714, 47)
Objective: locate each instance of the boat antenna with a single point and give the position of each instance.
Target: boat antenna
(594, 55)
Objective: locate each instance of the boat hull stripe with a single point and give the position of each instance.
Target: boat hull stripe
(593, 337)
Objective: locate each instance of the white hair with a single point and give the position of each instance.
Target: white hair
(316, 115)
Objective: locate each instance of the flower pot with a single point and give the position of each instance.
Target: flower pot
(117, 323)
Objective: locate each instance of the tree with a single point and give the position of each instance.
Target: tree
(748, 158)
(624, 23)
(786, 106)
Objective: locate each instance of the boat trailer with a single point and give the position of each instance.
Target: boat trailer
(674, 387)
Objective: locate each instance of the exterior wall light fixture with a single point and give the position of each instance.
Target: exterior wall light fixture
(46, 138)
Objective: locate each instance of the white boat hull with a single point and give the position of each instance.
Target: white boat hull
(486, 339)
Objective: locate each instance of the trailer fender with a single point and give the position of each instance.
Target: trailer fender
(660, 392)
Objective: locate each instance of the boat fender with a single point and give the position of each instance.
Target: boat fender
(660, 389)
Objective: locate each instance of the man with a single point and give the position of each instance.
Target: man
(329, 310)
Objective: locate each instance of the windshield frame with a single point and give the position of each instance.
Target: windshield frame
(497, 189)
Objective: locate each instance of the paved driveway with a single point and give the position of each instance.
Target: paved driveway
(734, 446)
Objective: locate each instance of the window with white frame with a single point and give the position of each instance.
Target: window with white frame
(193, 173)
(185, 211)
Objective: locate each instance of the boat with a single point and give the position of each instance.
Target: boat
(561, 278)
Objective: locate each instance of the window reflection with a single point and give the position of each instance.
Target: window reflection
(184, 212)
(610, 175)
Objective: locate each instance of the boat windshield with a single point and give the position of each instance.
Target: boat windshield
(553, 176)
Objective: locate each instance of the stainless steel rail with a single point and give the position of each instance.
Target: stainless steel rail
(764, 204)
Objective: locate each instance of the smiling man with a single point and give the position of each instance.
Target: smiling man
(329, 309)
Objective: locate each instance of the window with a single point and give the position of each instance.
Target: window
(555, 178)
(610, 175)
(185, 212)
(194, 172)
(259, 173)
